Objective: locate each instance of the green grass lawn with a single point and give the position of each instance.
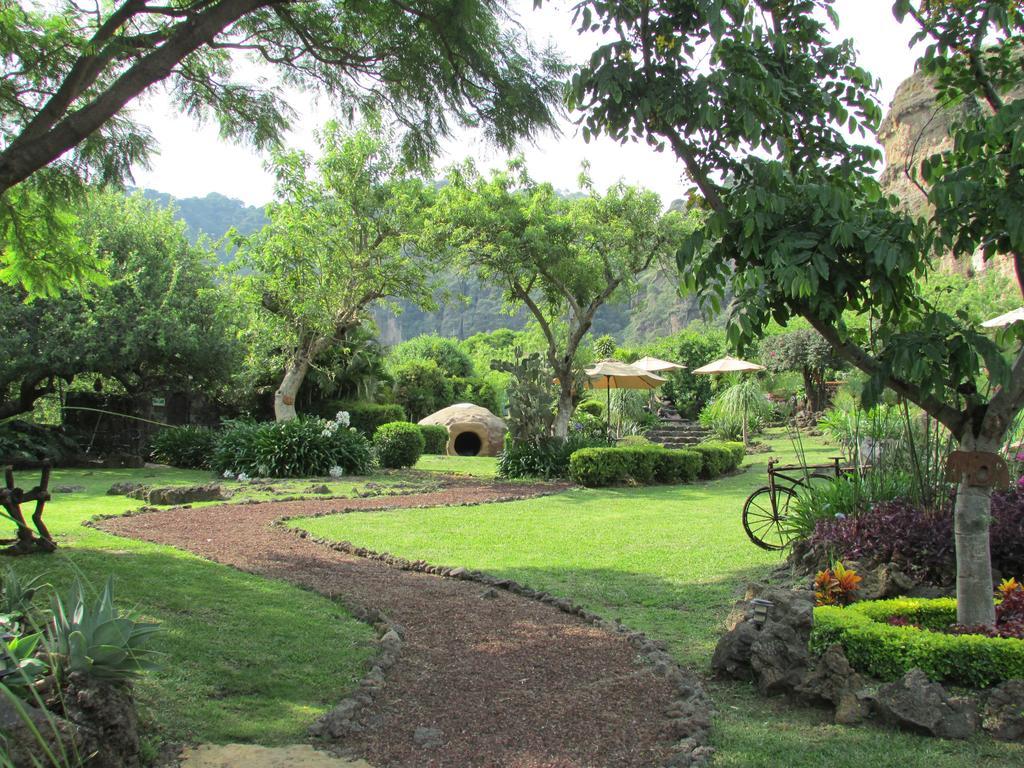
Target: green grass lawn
(478, 466)
(669, 561)
(247, 659)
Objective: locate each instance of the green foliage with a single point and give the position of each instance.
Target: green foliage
(848, 496)
(477, 391)
(641, 465)
(435, 439)
(17, 594)
(542, 457)
(301, 447)
(24, 440)
(591, 408)
(398, 444)
(806, 352)
(421, 388)
(475, 69)
(93, 638)
(365, 417)
(448, 354)
(724, 415)
(20, 665)
(605, 347)
(882, 650)
(847, 423)
(187, 447)
(719, 458)
(531, 399)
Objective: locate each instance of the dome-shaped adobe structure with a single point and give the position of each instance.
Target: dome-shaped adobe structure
(472, 430)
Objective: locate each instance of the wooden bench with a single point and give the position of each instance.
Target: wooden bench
(11, 499)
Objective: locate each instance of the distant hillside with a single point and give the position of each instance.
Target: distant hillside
(655, 310)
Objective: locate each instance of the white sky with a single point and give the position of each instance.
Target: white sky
(194, 161)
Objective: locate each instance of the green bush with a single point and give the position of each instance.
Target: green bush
(421, 388)
(398, 444)
(546, 457)
(365, 417)
(474, 390)
(633, 440)
(435, 438)
(885, 651)
(185, 447)
(719, 458)
(303, 447)
(591, 407)
(642, 464)
(678, 466)
(446, 353)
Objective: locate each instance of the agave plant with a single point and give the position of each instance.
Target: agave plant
(17, 594)
(95, 640)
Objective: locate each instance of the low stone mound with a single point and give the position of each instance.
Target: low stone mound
(180, 494)
(472, 430)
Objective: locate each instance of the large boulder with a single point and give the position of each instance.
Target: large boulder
(22, 727)
(472, 430)
(105, 713)
(831, 681)
(915, 703)
(1003, 716)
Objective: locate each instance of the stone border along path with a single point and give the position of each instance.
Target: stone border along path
(473, 671)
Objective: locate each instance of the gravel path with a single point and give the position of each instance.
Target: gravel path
(508, 681)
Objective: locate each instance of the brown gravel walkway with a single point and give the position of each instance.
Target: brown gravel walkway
(510, 682)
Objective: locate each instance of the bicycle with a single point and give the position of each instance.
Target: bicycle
(766, 509)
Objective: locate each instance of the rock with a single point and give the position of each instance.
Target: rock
(428, 737)
(832, 681)
(472, 430)
(106, 711)
(123, 489)
(914, 703)
(68, 488)
(181, 494)
(489, 594)
(892, 582)
(321, 489)
(1003, 714)
(18, 733)
(775, 656)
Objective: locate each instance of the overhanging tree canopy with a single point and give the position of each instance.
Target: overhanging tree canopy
(69, 71)
(756, 101)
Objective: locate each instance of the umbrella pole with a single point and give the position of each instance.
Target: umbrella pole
(746, 436)
(608, 411)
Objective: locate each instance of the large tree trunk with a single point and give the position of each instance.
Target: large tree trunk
(565, 404)
(972, 517)
(294, 374)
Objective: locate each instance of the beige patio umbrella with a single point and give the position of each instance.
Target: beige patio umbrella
(729, 364)
(654, 365)
(1014, 316)
(611, 374)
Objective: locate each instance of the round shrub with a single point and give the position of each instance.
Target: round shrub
(879, 648)
(435, 438)
(633, 440)
(303, 447)
(398, 444)
(421, 388)
(185, 447)
(591, 407)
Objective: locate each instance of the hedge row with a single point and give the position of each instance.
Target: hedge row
(885, 651)
(645, 464)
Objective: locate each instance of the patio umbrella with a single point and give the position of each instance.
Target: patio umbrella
(1002, 321)
(654, 365)
(730, 364)
(611, 374)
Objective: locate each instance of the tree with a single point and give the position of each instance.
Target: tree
(758, 104)
(333, 247)
(562, 259)
(805, 351)
(70, 70)
(156, 321)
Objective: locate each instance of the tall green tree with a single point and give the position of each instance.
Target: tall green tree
(157, 321)
(806, 352)
(771, 119)
(335, 245)
(560, 258)
(70, 70)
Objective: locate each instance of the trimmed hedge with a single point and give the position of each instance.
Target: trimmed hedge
(398, 444)
(885, 651)
(641, 464)
(719, 458)
(365, 417)
(435, 438)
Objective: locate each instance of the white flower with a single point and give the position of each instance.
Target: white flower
(242, 477)
(342, 418)
(228, 474)
(336, 471)
(327, 432)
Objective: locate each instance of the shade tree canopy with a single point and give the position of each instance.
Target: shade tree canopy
(339, 239)
(771, 117)
(561, 258)
(71, 72)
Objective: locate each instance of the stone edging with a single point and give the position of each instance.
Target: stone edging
(690, 711)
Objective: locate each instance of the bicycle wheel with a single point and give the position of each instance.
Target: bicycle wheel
(764, 517)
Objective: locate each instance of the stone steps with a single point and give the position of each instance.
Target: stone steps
(677, 434)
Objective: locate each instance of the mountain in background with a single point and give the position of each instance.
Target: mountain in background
(654, 311)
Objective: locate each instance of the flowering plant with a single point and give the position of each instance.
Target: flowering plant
(836, 585)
